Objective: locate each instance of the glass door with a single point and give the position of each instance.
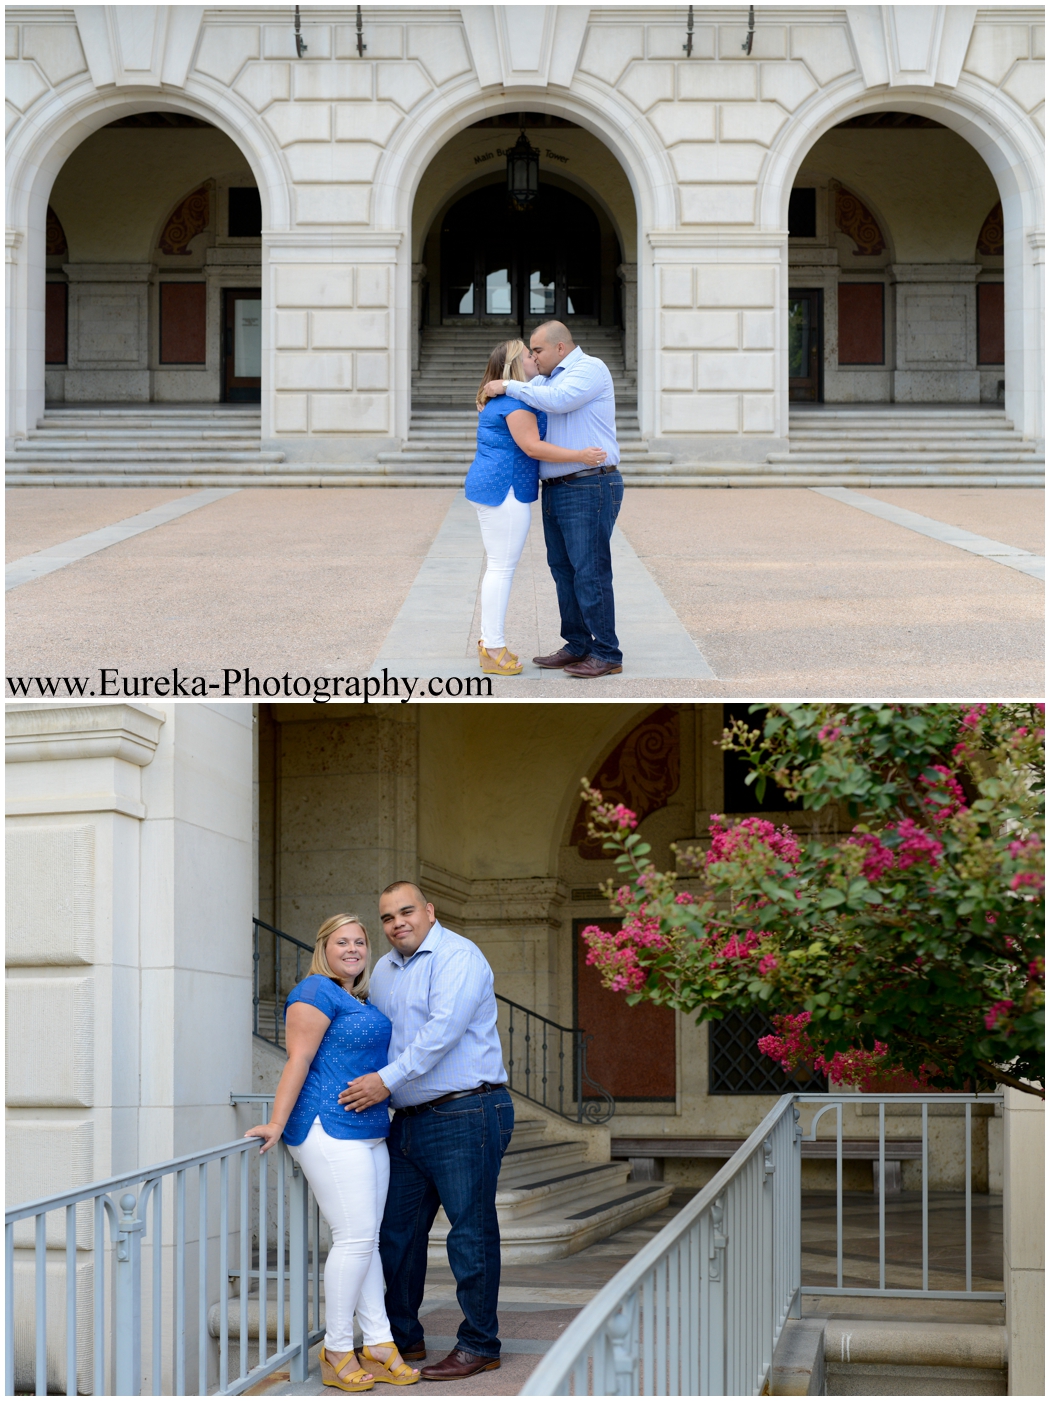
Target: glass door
(806, 345)
(242, 345)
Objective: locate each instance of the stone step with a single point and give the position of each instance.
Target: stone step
(932, 456)
(55, 412)
(72, 455)
(894, 1357)
(568, 1227)
(373, 475)
(546, 1193)
(414, 454)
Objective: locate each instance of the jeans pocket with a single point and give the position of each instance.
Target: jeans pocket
(505, 1119)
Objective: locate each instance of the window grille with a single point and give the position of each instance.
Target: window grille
(737, 1067)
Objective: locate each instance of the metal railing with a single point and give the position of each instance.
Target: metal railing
(701, 1307)
(917, 1105)
(699, 1310)
(546, 1062)
(154, 1282)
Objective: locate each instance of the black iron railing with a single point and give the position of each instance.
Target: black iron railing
(546, 1062)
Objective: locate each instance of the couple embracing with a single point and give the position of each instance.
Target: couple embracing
(548, 414)
(417, 1036)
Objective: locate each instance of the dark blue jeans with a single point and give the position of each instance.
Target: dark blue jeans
(450, 1156)
(578, 520)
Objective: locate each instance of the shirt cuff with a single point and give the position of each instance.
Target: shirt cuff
(510, 385)
(391, 1077)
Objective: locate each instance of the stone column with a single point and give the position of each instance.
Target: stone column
(419, 273)
(628, 275)
(129, 956)
(1023, 1225)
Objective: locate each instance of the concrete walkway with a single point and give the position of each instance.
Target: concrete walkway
(773, 593)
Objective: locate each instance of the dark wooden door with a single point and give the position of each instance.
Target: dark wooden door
(806, 345)
(242, 345)
(633, 1051)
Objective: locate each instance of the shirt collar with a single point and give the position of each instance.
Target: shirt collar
(429, 945)
(575, 354)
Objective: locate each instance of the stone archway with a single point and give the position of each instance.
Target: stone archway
(988, 122)
(636, 150)
(36, 156)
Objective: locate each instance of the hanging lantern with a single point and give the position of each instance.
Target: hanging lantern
(523, 173)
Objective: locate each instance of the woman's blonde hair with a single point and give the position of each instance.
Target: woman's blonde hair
(505, 362)
(319, 962)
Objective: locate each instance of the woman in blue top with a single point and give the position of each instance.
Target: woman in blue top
(334, 1034)
(502, 483)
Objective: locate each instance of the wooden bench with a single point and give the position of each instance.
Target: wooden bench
(646, 1155)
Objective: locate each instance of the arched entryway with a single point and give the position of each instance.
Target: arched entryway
(116, 289)
(483, 270)
(930, 198)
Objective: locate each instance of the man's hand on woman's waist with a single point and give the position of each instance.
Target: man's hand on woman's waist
(363, 1092)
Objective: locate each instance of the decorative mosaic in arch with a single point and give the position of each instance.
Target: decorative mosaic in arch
(857, 221)
(56, 234)
(990, 239)
(642, 772)
(185, 222)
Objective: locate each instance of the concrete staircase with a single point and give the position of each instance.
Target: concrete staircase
(881, 445)
(554, 1198)
(452, 360)
(559, 1190)
(904, 445)
(141, 445)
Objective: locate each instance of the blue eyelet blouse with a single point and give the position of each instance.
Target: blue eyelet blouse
(500, 463)
(354, 1044)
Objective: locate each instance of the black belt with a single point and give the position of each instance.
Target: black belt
(482, 1089)
(584, 472)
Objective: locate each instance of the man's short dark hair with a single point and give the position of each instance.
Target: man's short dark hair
(401, 884)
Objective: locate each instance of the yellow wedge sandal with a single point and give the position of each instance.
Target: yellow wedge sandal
(355, 1380)
(506, 664)
(399, 1374)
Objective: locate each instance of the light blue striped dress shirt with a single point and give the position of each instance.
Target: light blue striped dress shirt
(443, 1010)
(580, 403)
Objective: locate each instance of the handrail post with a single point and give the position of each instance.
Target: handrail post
(577, 1037)
(298, 1274)
(127, 1301)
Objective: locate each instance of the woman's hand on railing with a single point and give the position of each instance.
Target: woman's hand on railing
(269, 1133)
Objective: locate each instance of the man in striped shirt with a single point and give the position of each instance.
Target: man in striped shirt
(579, 507)
(453, 1119)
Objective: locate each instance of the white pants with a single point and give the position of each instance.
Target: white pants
(504, 530)
(349, 1178)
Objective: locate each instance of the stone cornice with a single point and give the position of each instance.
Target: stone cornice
(46, 732)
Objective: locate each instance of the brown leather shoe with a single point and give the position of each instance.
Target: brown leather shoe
(457, 1365)
(592, 667)
(414, 1354)
(563, 657)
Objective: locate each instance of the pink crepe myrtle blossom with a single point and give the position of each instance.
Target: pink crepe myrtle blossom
(995, 1011)
(624, 817)
(1037, 968)
(767, 964)
(1034, 879)
(878, 859)
(736, 947)
(683, 898)
(915, 844)
(751, 834)
(973, 717)
(829, 734)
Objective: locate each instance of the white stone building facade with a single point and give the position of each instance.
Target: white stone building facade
(686, 161)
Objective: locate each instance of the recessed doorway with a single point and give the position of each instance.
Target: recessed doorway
(242, 345)
(805, 345)
(502, 266)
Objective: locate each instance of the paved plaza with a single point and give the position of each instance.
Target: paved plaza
(767, 593)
